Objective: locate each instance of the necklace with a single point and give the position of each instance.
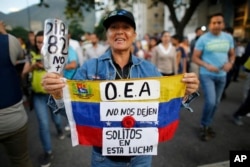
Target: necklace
(123, 73)
(128, 76)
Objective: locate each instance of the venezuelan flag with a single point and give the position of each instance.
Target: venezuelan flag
(83, 101)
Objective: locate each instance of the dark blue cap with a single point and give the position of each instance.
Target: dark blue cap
(119, 15)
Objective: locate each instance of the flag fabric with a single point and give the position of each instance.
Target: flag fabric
(93, 106)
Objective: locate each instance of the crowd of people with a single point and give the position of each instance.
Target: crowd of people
(214, 57)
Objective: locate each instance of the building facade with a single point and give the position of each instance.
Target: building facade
(242, 19)
(149, 17)
(154, 18)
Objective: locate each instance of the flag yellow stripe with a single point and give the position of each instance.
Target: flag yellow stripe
(170, 87)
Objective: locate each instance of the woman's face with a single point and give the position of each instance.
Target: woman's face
(138, 44)
(174, 41)
(153, 42)
(39, 42)
(166, 37)
(120, 36)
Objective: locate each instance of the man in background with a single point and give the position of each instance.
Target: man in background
(214, 53)
(96, 49)
(192, 66)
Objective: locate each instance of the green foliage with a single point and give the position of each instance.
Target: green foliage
(75, 29)
(19, 32)
(74, 8)
(100, 30)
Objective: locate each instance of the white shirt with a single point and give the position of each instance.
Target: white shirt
(93, 52)
(240, 50)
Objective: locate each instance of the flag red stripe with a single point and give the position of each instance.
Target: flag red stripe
(89, 136)
(92, 136)
(166, 133)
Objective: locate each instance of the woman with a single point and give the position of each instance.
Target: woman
(152, 44)
(40, 98)
(116, 63)
(140, 52)
(181, 55)
(164, 56)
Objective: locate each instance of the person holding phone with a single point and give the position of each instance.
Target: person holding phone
(40, 98)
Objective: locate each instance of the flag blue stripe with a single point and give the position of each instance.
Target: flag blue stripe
(88, 115)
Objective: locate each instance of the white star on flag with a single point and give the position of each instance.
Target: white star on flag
(108, 123)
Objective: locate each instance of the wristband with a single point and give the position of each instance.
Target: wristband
(59, 103)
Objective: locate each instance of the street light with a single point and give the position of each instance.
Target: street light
(28, 12)
(203, 28)
(43, 4)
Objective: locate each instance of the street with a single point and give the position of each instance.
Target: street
(184, 150)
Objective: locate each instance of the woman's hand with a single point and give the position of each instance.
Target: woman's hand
(192, 82)
(53, 84)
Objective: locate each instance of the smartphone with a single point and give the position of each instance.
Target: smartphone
(39, 60)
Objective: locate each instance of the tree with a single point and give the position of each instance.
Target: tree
(99, 30)
(75, 29)
(19, 32)
(190, 9)
(74, 8)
